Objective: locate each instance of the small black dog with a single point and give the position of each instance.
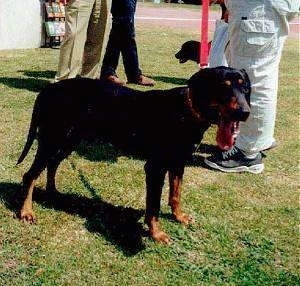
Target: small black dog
(190, 51)
(164, 124)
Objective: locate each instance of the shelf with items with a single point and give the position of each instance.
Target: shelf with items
(54, 11)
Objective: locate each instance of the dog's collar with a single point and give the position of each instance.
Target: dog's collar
(196, 114)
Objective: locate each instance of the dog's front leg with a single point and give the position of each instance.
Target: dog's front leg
(26, 213)
(155, 176)
(175, 181)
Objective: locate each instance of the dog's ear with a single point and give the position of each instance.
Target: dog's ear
(246, 85)
(197, 80)
(203, 85)
(206, 77)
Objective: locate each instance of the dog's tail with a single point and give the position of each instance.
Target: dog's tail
(32, 133)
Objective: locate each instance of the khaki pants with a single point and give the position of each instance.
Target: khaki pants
(81, 50)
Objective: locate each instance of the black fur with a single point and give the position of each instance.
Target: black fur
(163, 124)
(190, 50)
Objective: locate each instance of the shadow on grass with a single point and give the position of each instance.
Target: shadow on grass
(31, 84)
(97, 151)
(39, 79)
(197, 159)
(35, 82)
(172, 80)
(39, 74)
(117, 224)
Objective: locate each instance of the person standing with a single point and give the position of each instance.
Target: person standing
(80, 51)
(257, 32)
(122, 41)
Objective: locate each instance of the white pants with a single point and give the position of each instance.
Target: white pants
(218, 45)
(257, 31)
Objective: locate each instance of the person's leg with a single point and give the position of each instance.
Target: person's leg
(257, 133)
(257, 35)
(95, 39)
(218, 45)
(71, 50)
(128, 43)
(124, 16)
(130, 59)
(258, 52)
(112, 55)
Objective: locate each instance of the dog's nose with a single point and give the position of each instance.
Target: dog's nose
(242, 103)
(243, 115)
(239, 114)
(240, 108)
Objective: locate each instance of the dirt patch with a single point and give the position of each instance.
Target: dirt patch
(178, 17)
(186, 18)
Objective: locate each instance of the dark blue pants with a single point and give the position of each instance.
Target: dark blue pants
(122, 41)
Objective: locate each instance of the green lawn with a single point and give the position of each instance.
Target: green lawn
(246, 229)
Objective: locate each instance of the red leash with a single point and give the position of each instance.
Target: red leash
(203, 53)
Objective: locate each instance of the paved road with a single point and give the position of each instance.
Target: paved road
(186, 18)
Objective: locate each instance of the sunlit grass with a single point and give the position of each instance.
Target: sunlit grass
(246, 225)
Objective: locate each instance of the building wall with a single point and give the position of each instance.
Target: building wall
(20, 24)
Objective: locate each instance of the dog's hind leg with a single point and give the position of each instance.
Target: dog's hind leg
(64, 151)
(175, 182)
(51, 172)
(67, 145)
(52, 167)
(29, 178)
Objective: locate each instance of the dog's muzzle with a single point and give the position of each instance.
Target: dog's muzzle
(238, 109)
(180, 57)
(239, 114)
(242, 112)
(230, 116)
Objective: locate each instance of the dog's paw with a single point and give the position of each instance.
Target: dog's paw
(184, 218)
(161, 237)
(27, 216)
(155, 231)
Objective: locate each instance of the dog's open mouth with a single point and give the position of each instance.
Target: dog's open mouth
(226, 134)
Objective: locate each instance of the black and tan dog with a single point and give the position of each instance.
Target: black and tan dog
(165, 124)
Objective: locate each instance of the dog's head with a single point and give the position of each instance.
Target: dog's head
(222, 94)
(189, 51)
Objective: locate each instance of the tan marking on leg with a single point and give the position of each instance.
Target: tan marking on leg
(155, 231)
(175, 182)
(26, 213)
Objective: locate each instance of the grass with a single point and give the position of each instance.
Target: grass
(93, 234)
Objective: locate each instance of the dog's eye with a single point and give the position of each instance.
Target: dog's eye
(240, 81)
(227, 82)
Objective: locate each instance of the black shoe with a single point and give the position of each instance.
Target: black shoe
(234, 160)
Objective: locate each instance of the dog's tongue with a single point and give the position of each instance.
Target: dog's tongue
(227, 131)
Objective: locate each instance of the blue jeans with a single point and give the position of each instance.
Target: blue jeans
(122, 41)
